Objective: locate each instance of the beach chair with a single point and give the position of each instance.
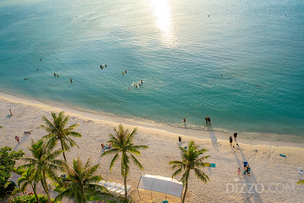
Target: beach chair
(101, 183)
(106, 184)
(122, 193)
(116, 187)
(119, 190)
(111, 186)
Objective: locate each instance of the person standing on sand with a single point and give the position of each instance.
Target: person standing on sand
(184, 120)
(179, 139)
(230, 140)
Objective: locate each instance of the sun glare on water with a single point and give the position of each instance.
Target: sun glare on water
(161, 11)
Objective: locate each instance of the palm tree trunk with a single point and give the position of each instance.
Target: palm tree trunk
(34, 189)
(125, 184)
(185, 191)
(63, 151)
(46, 188)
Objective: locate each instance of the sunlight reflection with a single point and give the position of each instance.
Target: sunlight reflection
(161, 10)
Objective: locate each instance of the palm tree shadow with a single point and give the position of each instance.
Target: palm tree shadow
(213, 139)
(249, 181)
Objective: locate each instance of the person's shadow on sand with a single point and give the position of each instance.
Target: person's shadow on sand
(213, 139)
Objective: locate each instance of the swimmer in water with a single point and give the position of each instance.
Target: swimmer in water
(126, 71)
(136, 86)
(122, 73)
(141, 82)
(71, 80)
(128, 87)
(26, 78)
(37, 69)
(40, 59)
(57, 75)
(105, 65)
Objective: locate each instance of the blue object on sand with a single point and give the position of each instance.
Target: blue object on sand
(212, 165)
(282, 155)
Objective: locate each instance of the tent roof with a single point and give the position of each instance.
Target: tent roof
(161, 184)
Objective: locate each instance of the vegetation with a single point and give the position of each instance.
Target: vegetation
(7, 165)
(191, 160)
(57, 131)
(30, 199)
(29, 178)
(43, 163)
(122, 145)
(81, 184)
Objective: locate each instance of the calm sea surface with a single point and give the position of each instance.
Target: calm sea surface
(239, 62)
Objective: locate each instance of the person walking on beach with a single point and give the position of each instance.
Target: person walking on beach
(179, 139)
(230, 140)
(184, 120)
(17, 138)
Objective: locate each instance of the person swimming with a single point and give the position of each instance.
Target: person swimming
(71, 80)
(141, 82)
(26, 78)
(122, 73)
(55, 74)
(40, 59)
(126, 71)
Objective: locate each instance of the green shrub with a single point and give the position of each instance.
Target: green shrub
(30, 199)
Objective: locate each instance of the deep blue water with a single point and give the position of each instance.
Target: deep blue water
(239, 62)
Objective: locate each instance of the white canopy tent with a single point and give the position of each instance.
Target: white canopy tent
(168, 186)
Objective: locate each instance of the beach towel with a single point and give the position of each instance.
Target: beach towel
(212, 165)
(282, 155)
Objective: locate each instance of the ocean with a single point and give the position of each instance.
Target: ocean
(239, 62)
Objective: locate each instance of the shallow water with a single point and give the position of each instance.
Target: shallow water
(239, 62)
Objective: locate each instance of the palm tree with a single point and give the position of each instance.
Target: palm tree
(300, 182)
(57, 131)
(28, 178)
(122, 143)
(43, 163)
(191, 160)
(80, 182)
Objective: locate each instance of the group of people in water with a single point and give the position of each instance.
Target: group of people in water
(138, 85)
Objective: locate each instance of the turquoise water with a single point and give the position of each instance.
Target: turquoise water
(239, 62)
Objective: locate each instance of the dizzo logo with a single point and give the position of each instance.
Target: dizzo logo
(259, 188)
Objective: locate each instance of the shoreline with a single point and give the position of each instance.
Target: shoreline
(248, 138)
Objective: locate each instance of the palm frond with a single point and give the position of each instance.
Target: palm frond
(136, 162)
(115, 158)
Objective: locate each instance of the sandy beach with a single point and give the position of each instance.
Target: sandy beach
(273, 178)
